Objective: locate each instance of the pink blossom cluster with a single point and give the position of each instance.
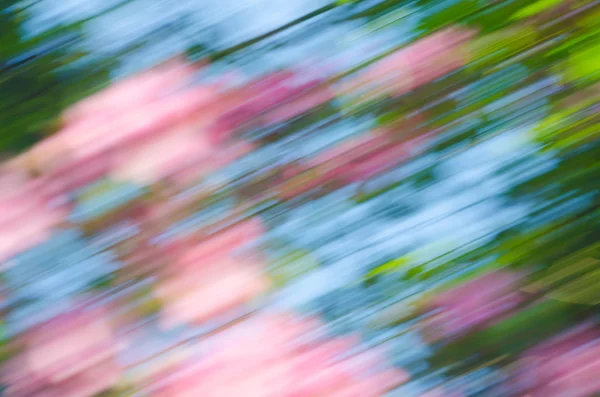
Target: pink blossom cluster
(415, 65)
(144, 129)
(473, 305)
(71, 355)
(354, 160)
(29, 215)
(208, 278)
(275, 98)
(565, 365)
(265, 356)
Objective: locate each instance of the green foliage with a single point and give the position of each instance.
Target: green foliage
(392, 266)
(583, 66)
(535, 8)
(568, 129)
(103, 282)
(531, 325)
(443, 13)
(145, 302)
(575, 278)
(496, 15)
(498, 46)
(416, 264)
(38, 78)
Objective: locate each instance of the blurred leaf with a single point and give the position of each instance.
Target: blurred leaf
(583, 66)
(570, 127)
(447, 12)
(590, 19)
(145, 303)
(495, 47)
(103, 282)
(390, 267)
(496, 15)
(535, 8)
(574, 279)
(529, 326)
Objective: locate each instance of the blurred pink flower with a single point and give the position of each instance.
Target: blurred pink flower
(379, 161)
(96, 133)
(474, 304)
(415, 65)
(123, 125)
(74, 173)
(564, 366)
(223, 242)
(134, 91)
(71, 355)
(208, 279)
(354, 160)
(28, 218)
(159, 125)
(265, 357)
(276, 98)
(162, 156)
(300, 105)
(196, 295)
(23, 383)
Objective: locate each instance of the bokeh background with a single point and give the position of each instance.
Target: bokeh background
(421, 174)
